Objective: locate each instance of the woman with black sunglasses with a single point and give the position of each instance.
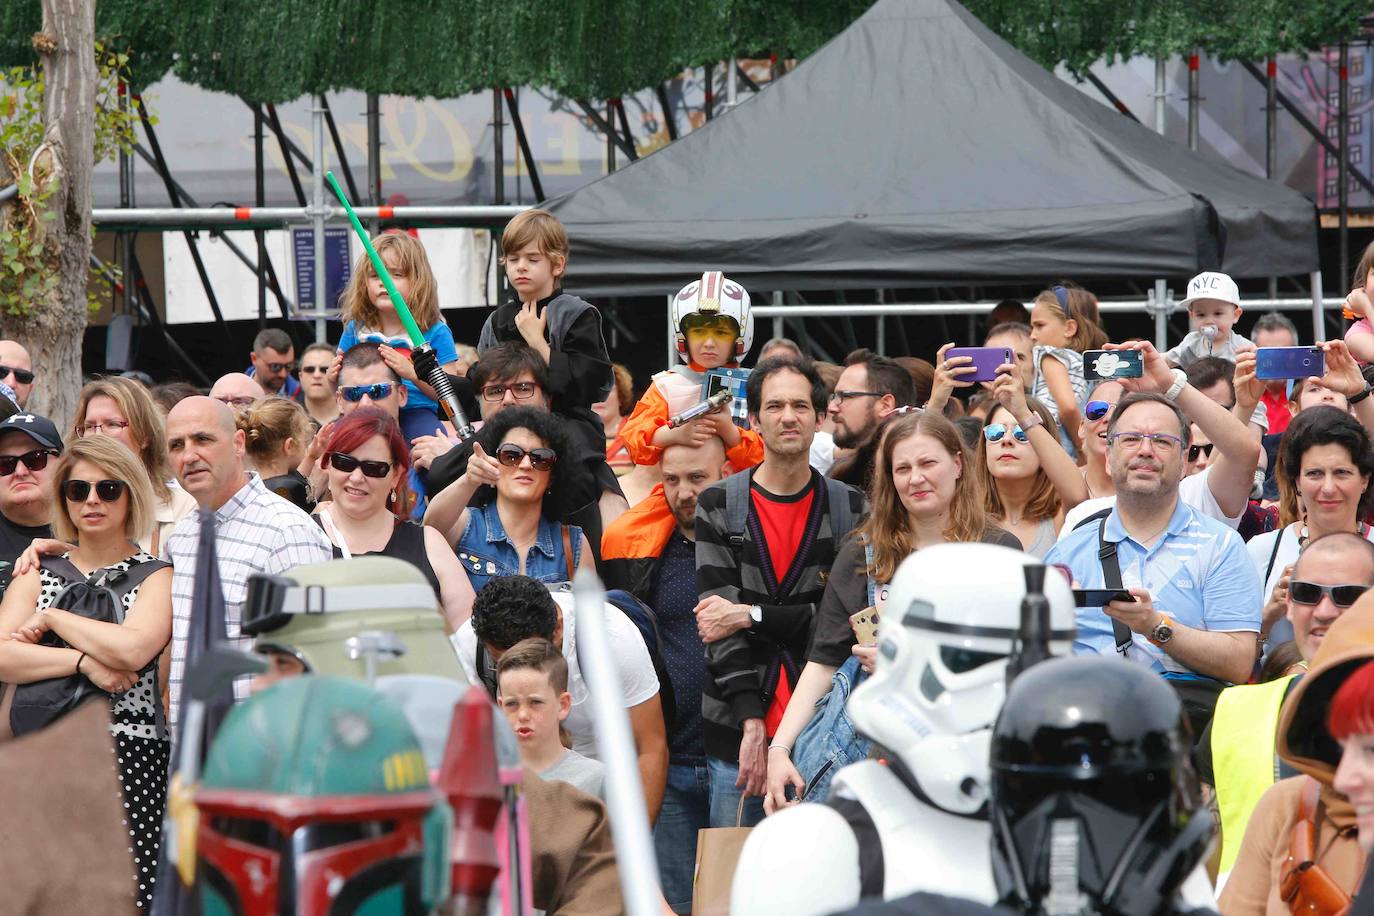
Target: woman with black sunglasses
(105, 501)
(512, 528)
(1325, 464)
(368, 464)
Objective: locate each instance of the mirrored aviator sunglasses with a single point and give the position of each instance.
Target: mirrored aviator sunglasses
(1096, 410)
(347, 464)
(996, 432)
(378, 392)
(1310, 593)
(541, 459)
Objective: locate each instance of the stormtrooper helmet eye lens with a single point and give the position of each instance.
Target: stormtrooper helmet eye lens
(931, 688)
(961, 661)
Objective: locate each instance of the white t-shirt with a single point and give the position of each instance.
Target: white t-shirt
(638, 682)
(1192, 491)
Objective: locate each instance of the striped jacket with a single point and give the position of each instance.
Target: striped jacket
(744, 668)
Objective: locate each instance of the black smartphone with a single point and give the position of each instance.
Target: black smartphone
(1096, 597)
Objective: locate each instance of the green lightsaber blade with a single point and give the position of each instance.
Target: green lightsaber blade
(402, 310)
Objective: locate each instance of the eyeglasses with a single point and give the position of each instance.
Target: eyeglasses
(522, 391)
(242, 401)
(347, 464)
(843, 396)
(541, 459)
(22, 376)
(35, 460)
(1310, 593)
(1163, 443)
(274, 368)
(1195, 450)
(378, 392)
(996, 432)
(113, 427)
(1096, 410)
(315, 370)
(78, 491)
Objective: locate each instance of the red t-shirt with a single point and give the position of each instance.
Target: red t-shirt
(1276, 409)
(783, 520)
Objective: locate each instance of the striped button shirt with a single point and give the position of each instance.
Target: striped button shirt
(256, 532)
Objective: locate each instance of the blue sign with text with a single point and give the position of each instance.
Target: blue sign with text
(338, 265)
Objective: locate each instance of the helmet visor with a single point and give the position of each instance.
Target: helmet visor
(698, 326)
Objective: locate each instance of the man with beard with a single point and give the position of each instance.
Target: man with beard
(650, 552)
(766, 539)
(1194, 609)
(869, 388)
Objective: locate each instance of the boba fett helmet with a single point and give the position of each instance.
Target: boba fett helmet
(362, 618)
(315, 799)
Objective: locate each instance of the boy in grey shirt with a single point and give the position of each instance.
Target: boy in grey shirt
(532, 689)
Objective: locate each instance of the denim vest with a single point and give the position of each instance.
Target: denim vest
(485, 550)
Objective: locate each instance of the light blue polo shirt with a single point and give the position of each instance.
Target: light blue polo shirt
(1198, 573)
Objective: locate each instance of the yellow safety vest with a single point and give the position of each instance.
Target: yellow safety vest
(1244, 730)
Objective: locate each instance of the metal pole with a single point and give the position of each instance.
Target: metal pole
(1342, 168)
(287, 147)
(523, 141)
(610, 137)
(1318, 303)
(498, 147)
(339, 147)
(260, 199)
(227, 219)
(1159, 304)
(732, 84)
(779, 323)
(320, 211)
(126, 199)
(634, 845)
(1271, 137)
(1194, 98)
(672, 334)
(374, 157)
(709, 73)
(1159, 95)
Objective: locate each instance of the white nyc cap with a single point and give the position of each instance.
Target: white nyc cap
(1212, 285)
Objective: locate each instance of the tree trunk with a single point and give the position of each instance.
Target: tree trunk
(53, 330)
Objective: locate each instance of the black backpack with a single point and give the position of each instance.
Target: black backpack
(98, 597)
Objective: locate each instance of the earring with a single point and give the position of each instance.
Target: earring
(391, 498)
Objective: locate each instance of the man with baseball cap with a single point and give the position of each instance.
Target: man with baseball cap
(28, 443)
(1213, 306)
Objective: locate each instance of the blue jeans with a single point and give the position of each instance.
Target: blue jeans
(697, 796)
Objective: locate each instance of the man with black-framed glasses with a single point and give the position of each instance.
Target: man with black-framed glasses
(1237, 754)
(1193, 615)
(16, 370)
(29, 445)
(869, 388)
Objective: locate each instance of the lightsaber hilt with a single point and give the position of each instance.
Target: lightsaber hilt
(714, 402)
(427, 367)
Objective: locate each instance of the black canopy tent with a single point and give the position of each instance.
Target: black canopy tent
(918, 148)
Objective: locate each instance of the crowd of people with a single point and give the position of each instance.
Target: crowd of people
(1212, 522)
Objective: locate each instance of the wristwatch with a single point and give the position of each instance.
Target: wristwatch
(756, 613)
(1163, 631)
(1357, 398)
(1180, 382)
(1031, 422)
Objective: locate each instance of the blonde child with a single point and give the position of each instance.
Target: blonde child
(1360, 306)
(714, 329)
(1064, 323)
(368, 315)
(1213, 305)
(532, 690)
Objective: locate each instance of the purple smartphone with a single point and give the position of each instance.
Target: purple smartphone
(985, 361)
(1289, 362)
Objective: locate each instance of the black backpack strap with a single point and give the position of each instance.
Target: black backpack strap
(1111, 578)
(872, 871)
(1273, 555)
(841, 516)
(737, 506)
(1088, 520)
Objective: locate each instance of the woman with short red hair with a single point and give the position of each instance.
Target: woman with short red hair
(368, 464)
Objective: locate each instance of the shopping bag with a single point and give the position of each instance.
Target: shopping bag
(718, 851)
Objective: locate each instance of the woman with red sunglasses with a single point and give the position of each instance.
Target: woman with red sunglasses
(104, 502)
(519, 462)
(368, 464)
